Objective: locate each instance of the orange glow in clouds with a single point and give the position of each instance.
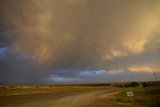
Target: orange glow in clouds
(146, 69)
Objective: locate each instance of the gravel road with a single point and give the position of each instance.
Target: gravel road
(91, 98)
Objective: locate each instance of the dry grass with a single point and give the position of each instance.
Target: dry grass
(17, 90)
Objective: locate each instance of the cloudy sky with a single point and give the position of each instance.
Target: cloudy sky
(78, 41)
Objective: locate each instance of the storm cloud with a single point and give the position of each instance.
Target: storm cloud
(41, 39)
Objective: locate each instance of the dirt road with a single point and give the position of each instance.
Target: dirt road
(92, 98)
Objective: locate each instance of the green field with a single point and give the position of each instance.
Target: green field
(148, 96)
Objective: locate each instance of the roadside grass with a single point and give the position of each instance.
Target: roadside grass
(4, 91)
(149, 96)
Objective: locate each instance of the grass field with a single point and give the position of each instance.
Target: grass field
(148, 96)
(18, 90)
(145, 93)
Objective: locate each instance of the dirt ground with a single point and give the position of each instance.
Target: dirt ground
(91, 98)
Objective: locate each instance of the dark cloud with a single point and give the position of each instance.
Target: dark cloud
(46, 37)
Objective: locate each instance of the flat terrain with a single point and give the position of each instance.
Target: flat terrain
(81, 98)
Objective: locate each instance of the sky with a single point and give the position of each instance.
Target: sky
(78, 41)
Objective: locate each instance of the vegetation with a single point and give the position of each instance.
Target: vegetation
(146, 93)
(16, 90)
(149, 96)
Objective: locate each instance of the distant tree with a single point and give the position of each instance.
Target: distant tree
(145, 84)
(134, 84)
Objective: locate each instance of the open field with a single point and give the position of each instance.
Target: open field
(44, 89)
(82, 98)
(147, 94)
(36, 89)
(81, 95)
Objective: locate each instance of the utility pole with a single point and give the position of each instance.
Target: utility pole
(155, 77)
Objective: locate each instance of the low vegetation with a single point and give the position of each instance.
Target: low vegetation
(17, 90)
(147, 93)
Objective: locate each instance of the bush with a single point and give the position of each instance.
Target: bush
(148, 84)
(134, 84)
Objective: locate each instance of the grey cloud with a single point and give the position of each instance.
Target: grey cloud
(46, 37)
